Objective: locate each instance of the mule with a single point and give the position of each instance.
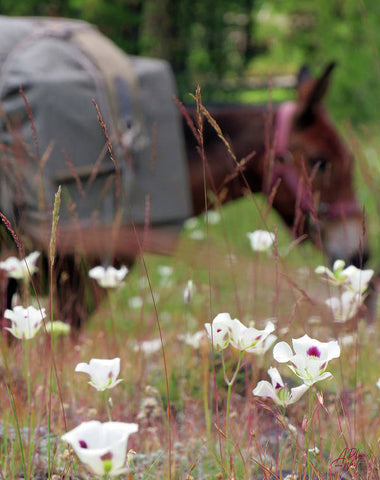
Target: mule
(292, 152)
(295, 155)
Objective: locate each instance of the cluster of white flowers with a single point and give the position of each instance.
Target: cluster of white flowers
(102, 447)
(308, 361)
(25, 322)
(224, 331)
(352, 283)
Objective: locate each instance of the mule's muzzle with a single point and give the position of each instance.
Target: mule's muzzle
(344, 239)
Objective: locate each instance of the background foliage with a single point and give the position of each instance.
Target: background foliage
(221, 44)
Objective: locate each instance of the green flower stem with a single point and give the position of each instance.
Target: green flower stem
(205, 393)
(28, 374)
(307, 430)
(229, 390)
(112, 317)
(18, 430)
(108, 408)
(27, 371)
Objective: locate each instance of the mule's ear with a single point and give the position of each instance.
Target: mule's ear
(303, 74)
(311, 93)
(321, 85)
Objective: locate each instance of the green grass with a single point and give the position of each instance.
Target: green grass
(228, 277)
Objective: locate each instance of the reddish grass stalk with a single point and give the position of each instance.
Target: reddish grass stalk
(32, 126)
(120, 189)
(204, 162)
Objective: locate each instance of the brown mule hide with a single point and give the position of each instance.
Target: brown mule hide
(292, 152)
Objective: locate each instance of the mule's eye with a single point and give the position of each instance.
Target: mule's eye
(318, 162)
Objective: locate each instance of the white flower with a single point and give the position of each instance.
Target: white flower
(197, 235)
(358, 279)
(344, 307)
(108, 277)
(212, 217)
(278, 391)
(102, 447)
(135, 302)
(190, 223)
(335, 275)
(378, 384)
(165, 270)
(248, 339)
(20, 269)
(261, 240)
(149, 346)
(224, 331)
(352, 277)
(103, 372)
(194, 340)
(265, 345)
(219, 331)
(25, 321)
(57, 328)
(314, 450)
(188, 291)
(347, 340)
(309, 362)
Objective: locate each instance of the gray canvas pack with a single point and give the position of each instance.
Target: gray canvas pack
(63, 67)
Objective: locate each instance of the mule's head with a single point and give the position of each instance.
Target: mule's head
(314, 168)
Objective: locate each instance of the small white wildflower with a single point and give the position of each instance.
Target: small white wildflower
(188, 291)
(20, 269)
(261, 240)
(149, 346)
(213, 217)
(135, 302)
(197, 235)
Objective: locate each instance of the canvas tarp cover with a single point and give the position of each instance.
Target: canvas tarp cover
(63, 66)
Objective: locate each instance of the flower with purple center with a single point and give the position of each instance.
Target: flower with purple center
(278, 391)
(219, 331)
(310, 358)
(103, 372)
(224, 331)
(249, 339)
(25, 321)
(102, 447)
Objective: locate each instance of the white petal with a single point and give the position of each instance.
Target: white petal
(32, 258)
(275, 377)
(339, 265)
(93, 440)
(282, 352)
(83, 367)
(302, 344)
(333, 349)
(296, 393)
(265, 389)
(96, 272)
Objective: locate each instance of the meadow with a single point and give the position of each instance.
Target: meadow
(193, 421)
